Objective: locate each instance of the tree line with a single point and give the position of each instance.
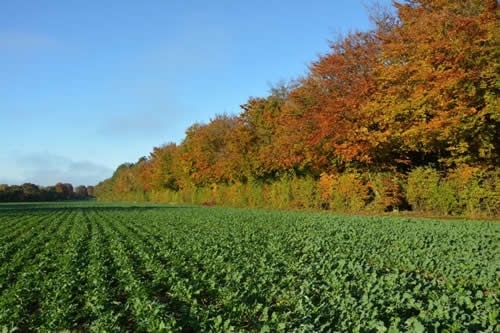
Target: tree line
(33, 193)
(404, 116)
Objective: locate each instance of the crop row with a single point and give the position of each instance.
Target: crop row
(212, 269)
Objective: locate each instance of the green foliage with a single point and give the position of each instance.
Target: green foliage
(349, 192)
(423, 189)
(28, 192)
(255, 193)
(464, 191)
(304, 192)
(387, 192)
(477, 191)
(279, 193)
(179, 268)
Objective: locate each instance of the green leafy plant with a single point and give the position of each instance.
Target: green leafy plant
(96, 267)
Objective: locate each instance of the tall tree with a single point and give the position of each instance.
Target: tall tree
(438, 75)
(261, 120)
(323, 122)
(165, 169)
(206, 151)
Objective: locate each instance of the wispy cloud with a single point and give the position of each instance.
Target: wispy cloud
(24, 42)
(48, 169)
(152, 111)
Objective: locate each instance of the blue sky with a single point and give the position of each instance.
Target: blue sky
(88, 85)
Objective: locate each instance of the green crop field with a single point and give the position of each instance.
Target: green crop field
(94, 267)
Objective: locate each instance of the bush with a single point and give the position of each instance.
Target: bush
(423, 189)
(279, 193)
(465, 190)
(387, 192)
(343, 192)
(303, 190)
(325, 189)
(477, 191)
(255, 193)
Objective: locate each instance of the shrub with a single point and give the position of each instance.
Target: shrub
(477, 191)
(303, 192)
(343, 192)
(387, 192)
(423, 188)
(325, 189)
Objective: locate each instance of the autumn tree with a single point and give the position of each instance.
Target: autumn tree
(123, 181)
(165, 168)
(323, 123)
(81, 191)
(35, 193)
(91, 191)
(438, 79)
(64, 190)
(261, 128)
(143, 172)
(31, 192)
(207, 151)
(418, 92)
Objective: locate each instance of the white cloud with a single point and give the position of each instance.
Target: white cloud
(48, 169)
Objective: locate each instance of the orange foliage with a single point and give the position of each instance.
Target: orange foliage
(419, 90)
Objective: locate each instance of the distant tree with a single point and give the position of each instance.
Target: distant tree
(91, 191)
(31, 192)
(64, 191)
(17, 193)
(81, 192)
(34, 193)
(4, 192)
(48, 194)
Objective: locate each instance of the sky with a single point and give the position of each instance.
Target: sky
(88, 85)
